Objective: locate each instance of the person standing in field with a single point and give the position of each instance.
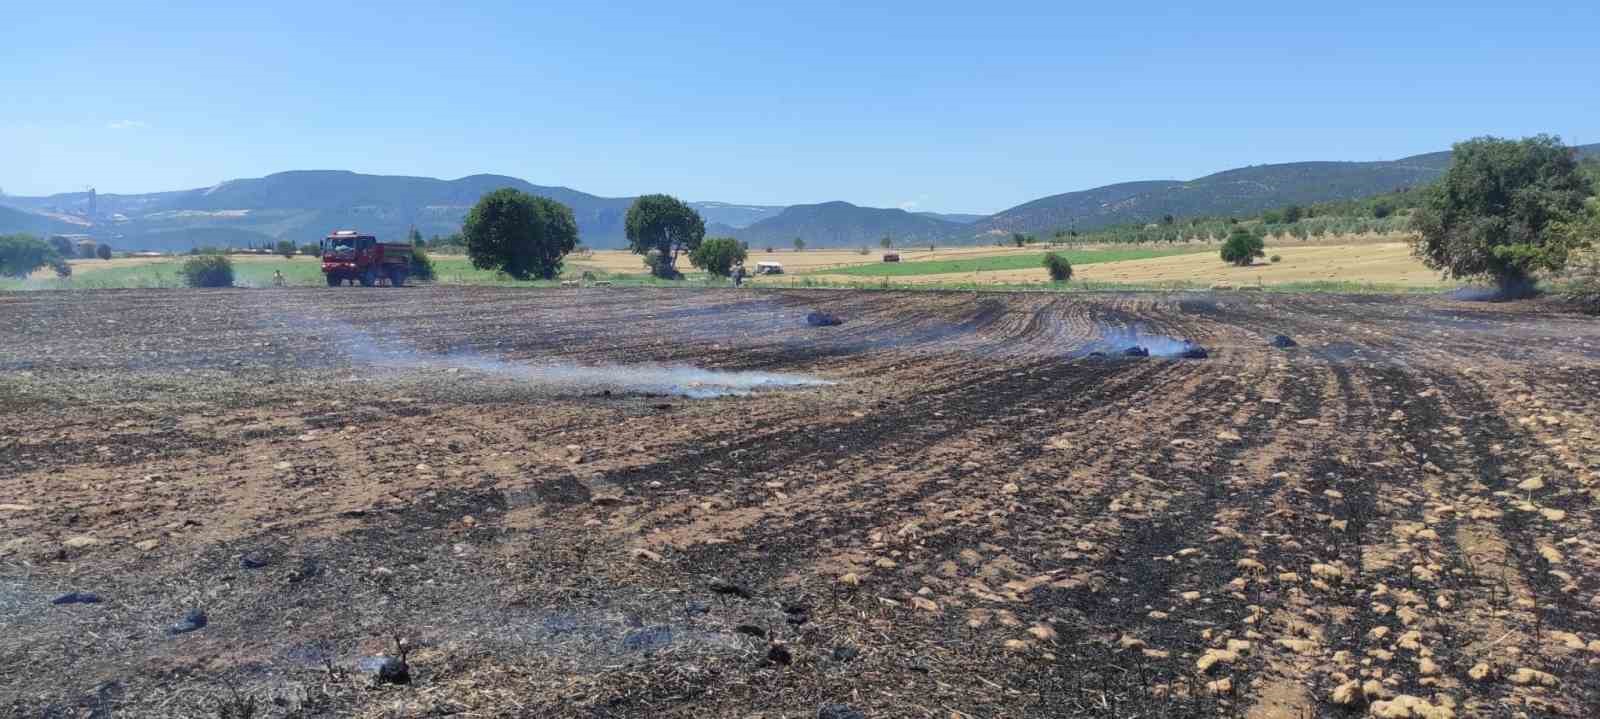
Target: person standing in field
(738, 275)
(277, 279)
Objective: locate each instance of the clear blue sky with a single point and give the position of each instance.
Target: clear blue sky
(961, 107)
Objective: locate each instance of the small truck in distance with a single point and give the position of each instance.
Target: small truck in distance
(349, 256)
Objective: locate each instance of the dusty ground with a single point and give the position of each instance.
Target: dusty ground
(1396, 517)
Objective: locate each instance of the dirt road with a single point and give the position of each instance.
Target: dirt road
(977, 518)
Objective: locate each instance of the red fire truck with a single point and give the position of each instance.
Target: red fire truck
(349, 256)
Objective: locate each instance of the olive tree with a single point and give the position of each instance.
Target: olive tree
(1497, 210)
(519, 234)
(660, 227)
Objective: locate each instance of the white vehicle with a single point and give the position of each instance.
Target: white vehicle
(769, 268)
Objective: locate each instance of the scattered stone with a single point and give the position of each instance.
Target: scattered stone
(1251, 565)
(1348, 694)
(1480, 672)
(1528, 676)
(1213, 657)
(80, 542)
(850, 579)
(1220, 687)
(1327, 572)
(283, 465)
(1531, 485)
(1406, 706)
(77, 598)
(1284, 342)
(147, 545)
(1550, 554)
(15, 508)
(925, 604)
(194, 619)
(646, 554)
(1042, 632)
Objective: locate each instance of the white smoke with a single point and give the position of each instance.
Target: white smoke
(1114, 340)
(674, 379)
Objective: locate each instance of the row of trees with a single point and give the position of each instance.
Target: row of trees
(527, 237)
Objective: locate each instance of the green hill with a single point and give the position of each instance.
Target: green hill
(841, 224)
(1241, 191)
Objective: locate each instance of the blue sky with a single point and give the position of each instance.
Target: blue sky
(960, 107)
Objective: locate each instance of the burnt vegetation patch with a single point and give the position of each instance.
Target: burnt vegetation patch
(975, 520)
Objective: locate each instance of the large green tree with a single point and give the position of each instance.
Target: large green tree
(519, 234)
(20, 255)
(718, 255)
(1496, 211)
(660, 227)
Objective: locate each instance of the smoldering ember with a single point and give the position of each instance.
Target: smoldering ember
(474, 501)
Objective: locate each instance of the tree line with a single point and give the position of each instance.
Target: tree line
(527, 237)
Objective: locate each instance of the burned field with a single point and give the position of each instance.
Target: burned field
(589, 503)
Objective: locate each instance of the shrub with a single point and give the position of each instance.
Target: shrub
(718, 255)
(422, 265)
(103, 252)
(1584, 289)
(1275, 259)
(1059, 268)
(208, 271)
(1242, 247)
(309, 249)
(863, 251)
(62, 267)
(286, 248)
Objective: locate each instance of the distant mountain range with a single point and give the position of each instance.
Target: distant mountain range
(304, 205)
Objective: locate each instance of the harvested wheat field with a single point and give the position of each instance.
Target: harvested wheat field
(1386, 264)
(660, 503)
